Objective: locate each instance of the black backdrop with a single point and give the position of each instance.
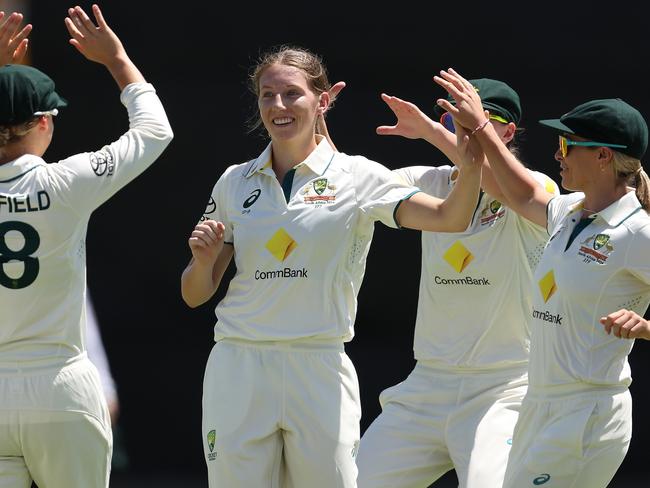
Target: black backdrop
(555, 54)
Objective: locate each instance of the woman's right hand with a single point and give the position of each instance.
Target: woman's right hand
(206, 241)
(13, 42)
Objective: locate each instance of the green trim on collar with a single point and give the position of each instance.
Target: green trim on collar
(287, 183)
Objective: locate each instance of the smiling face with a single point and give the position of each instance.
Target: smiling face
(288, 105)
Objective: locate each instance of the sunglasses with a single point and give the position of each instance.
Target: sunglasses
(565, 143)
(448, 121)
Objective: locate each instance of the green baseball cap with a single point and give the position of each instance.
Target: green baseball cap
(496, 96)
(608, 120)
(24, 90)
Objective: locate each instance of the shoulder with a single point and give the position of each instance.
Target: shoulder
(546, 181)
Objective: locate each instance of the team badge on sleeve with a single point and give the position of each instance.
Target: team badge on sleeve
(102, 163)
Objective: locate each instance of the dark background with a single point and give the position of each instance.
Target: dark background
(555, 54)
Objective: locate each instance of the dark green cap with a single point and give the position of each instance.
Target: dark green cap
(497, 97)
(24, 90)
(610, 121)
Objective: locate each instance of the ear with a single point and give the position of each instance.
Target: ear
(323, 103)
(43, 122)
(605, 157)
(509, 134)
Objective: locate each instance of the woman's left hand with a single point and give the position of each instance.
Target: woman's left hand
(626, 324)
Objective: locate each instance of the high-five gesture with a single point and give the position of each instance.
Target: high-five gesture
(468, 110)
(13, 40)
(99, 43)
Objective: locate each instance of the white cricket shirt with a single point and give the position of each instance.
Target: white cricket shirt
(605, 268)
(474, 299)
(44, 212)
(300, 252)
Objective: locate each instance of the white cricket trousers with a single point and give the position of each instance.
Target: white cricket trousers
(54, 428)
(280, 414)
(572, 436)
(440, 419)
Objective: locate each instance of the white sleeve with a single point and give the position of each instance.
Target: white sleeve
(85, 181)
(217, 207)
(427, 178)
(637, 260)
(379, 191)
(558, 208)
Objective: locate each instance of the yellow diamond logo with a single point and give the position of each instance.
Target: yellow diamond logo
(458, 256)
(547, 286)
(281, 245)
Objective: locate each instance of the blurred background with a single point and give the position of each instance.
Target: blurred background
(554, 54)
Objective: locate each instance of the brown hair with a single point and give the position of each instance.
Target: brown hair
(306, 61)
(13, 133)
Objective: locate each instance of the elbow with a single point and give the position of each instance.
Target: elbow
(192, 302)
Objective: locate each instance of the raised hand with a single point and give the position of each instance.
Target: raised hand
(13, 40)
(468, 110)
(412, 123)
(97, 43)
(626, 324)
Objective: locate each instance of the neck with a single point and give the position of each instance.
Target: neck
(287, 154)
(595, 201)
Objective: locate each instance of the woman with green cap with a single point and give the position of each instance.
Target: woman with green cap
(55, 428)
(458, 407)
(590, 290)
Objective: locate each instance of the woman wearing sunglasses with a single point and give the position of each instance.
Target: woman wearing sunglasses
(590, 290)
(458, 407)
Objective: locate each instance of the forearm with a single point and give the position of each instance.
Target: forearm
(198, 283)
(459, 206)
(523, 194)
(123, 71)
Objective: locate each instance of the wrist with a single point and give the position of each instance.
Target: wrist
(480, 127)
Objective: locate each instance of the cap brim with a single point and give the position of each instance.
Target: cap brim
(557, 125)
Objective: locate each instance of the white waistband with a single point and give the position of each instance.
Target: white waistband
(302, 344)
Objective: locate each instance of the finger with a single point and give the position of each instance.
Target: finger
(336, 89)
(21, 50)
(10, 25)
(450, 87)
(453, 80)
(73, 31)
(18, 38)
(447, 106)
(76, 19)
(85, 20)
(99, 17)
(462, 80)
(386, 130)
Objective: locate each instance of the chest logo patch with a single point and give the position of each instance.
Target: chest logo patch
(458, 256)
(596, 248)
(492, 212)
(255, 194)
(281, 245)
(319, 192)
(547, 286)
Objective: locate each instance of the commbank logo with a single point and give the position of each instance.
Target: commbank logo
(458, 256)
(547, 286)
(281, 245)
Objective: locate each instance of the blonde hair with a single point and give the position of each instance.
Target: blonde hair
(13, 133)
(629, 171)
(303, 59)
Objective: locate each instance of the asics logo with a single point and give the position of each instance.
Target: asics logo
(541, 479)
